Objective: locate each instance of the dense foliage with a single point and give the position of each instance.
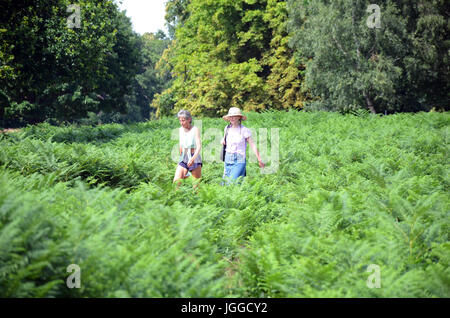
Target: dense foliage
(148, 81)
(350, 191)
(253, 54)
(241, 53)
(403, 64)
(230, 53)
(53, 68)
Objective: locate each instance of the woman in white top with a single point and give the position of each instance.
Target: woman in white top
(190, 147)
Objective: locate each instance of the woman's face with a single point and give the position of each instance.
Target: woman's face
(234, 119)
(185, 122)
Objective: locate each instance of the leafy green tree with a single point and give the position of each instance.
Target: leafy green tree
(51, 69)
(147, 82)
(351, 63)
(428, 22)
(285, 78)
(231, 53)
(176, 14)
(150, 80)
(212, 70)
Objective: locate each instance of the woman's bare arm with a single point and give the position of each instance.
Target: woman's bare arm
(198, 148)
(255, 150)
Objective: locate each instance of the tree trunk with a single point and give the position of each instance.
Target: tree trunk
(370, 104)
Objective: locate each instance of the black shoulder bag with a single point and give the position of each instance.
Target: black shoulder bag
(224, 147)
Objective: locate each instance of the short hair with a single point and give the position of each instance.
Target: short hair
(184, 113)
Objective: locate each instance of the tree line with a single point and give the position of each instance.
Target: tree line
(58, 67)
(392, 56)
(325, 55)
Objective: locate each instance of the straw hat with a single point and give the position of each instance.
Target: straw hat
(234, 111)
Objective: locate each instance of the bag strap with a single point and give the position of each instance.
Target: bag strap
(226, 133)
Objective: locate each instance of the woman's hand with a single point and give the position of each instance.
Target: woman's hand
(261, 164)
(223, 141)
(255, 150)
(190, 162)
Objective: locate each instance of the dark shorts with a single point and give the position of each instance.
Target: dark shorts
(193, 167)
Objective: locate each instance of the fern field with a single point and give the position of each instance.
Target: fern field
(350, 192)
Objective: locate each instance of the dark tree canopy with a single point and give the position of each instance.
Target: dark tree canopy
(52, 68)
(402, 65)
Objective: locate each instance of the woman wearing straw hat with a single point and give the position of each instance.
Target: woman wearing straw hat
(190, 146)
(235, 140)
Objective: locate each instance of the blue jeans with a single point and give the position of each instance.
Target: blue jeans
(234, 166)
